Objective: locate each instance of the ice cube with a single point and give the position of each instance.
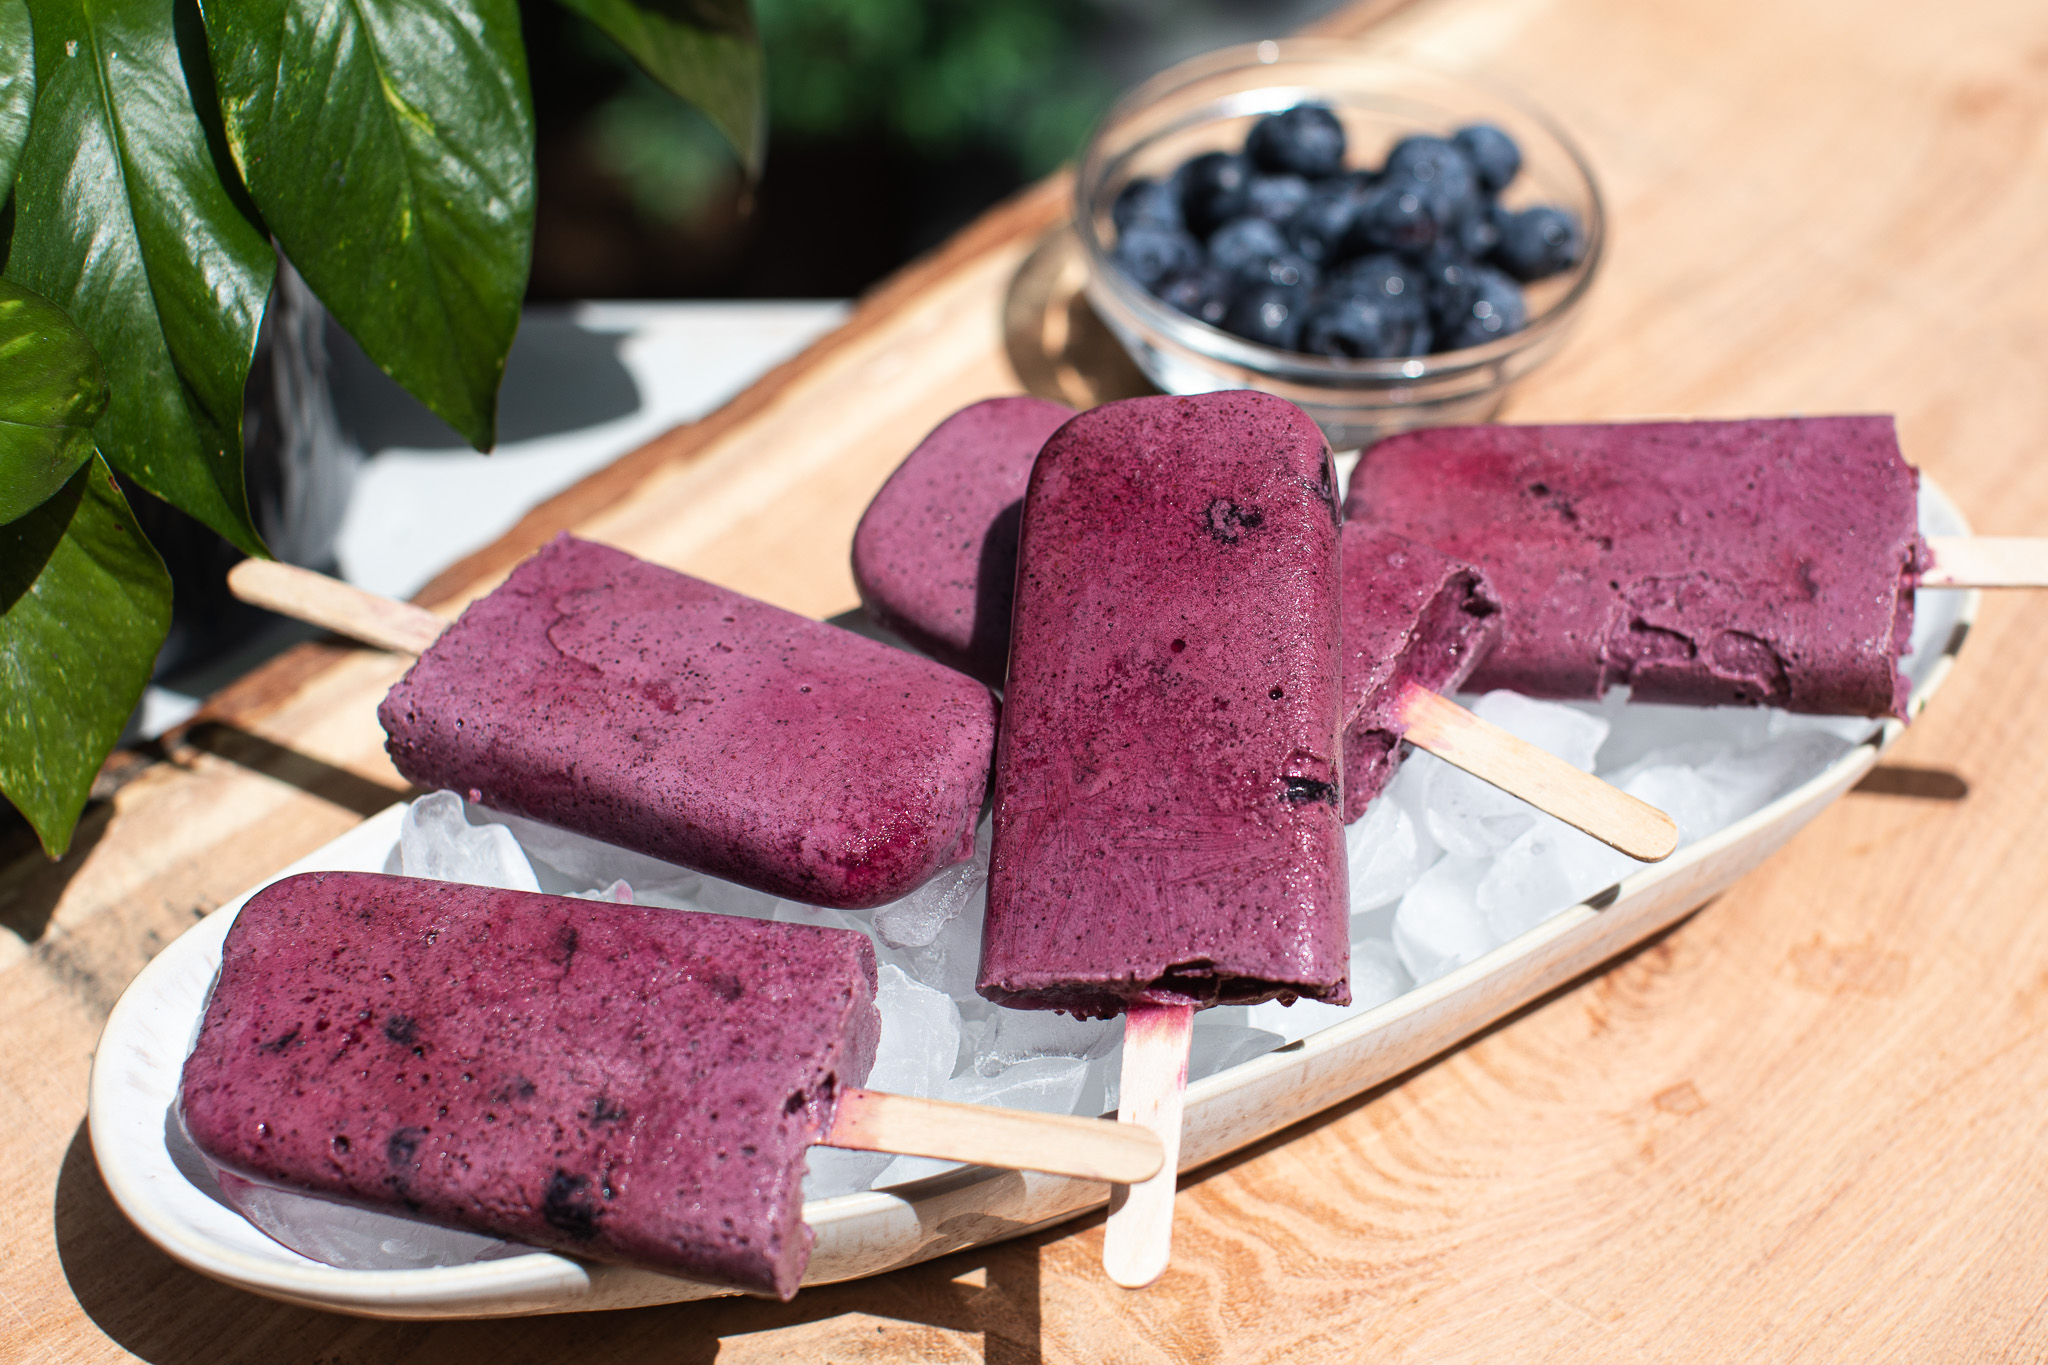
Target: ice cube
(1697, 806)
(1019, 1035)
(1469, 818)
(1642, 728)
(951, 961)
(1439, 926)
(916, 920)
(1386, 854)
(1377, 975)
(920, 1036)
(436, 840)
(1547, 870)
(1215, 1047)
(1045, 1085)
(722, 897)
(1572, 733)
(585, 863)
(356, 1239)
(830, 1171)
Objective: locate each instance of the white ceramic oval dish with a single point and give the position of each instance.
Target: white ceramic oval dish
(165, 1190)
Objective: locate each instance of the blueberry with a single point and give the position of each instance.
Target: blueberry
(1306, 140)
(1493, 154)
(1440, 168)
(1358, 326)
(1538, 242)
(1212, 190)
(1325, 226)
(1388, 283)
(1269, 313)
(1149, 254)
(1146, 201)
(1479, 234)
(1204, 294)
(1243, 243)
(1399, 215)
(1276, 197)
(1285, 269)
(1496, 311)
(1446, 277)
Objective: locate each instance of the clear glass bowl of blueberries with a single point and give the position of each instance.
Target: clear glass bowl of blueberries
(1386, 247)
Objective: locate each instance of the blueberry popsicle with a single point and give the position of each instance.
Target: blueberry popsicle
(655, 711)
(935, 556)
(626, 1084)
(1167, 830)
(1758, 562)
(622, 1083)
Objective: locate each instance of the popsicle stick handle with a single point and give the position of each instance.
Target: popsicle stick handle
(1138, 1240)
(1545, 781)
(340, 607)
(1987, 562)
(1014, 1139)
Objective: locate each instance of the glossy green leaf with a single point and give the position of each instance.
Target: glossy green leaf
(84, 605)
(17, 85)
(706, 51)
(122, 219)
(52, 390)
(389, 144)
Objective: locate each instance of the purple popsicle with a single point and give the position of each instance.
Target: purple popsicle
(1710, 563)
(940, 539)
(1166, 796)
(640, 706)
(935, 556)
(626, 1084)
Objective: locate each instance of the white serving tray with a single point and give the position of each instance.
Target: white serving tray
(161, 1185)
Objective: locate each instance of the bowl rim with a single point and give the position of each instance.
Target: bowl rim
(1108, 283)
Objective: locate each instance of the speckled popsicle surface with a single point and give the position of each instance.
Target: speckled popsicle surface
(1166, 803)
(1749, 562)
(1412, 616)
(935, 555)
(938, 546)
(623, 1083)
(655, 711)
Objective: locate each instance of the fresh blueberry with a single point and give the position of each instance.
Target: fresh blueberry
(1149, 254)
(1493, 154)
(1269, 313)
(1306, 140)
(1479, 234)
(1361, 327)
(1244, 243)
(1496, 311)
(1538, 242)
(1286, 269)
(1388, 283)
(1146, 201)
(1399, 215)
(1443, 171)
(1446, 276)
(1203, 294)
(1276, 197)
(1324, 227)
(1212, 190)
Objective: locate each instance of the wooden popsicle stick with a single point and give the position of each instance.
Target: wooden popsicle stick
(1014, 1139)
(1544, 780)
(1987, 562)
(341, 607)
(1138, 1240)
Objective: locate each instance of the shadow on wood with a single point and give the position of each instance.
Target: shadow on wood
(1926, 784)
(1057, 345)
(157, 1309)
(313, 776)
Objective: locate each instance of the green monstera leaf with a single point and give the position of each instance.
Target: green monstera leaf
(706, 51)
(389, 145)
(17, 85)
(52, 393)
(123, 220)
(84, 605)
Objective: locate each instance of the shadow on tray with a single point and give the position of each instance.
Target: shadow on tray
(168, 1315)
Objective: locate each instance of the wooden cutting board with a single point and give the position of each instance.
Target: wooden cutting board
(1808, 1124)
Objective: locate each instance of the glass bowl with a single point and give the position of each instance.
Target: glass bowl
(1208, 104)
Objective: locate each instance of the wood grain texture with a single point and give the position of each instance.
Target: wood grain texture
(1804, 1126)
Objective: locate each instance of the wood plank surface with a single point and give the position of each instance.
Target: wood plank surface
(1808, 1125)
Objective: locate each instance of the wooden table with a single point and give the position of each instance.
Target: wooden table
(1807, 1125)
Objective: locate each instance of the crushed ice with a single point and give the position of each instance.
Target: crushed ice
(1443, 869)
